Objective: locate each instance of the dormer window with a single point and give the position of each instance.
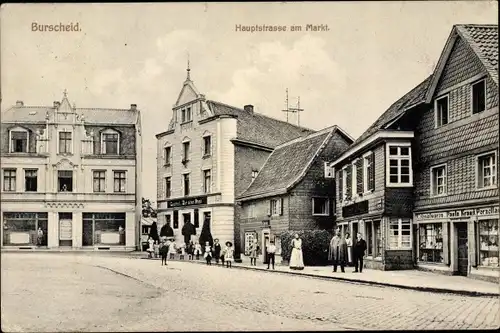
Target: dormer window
(19, 140)
(110, 142)
(186, 115)
(65, 143)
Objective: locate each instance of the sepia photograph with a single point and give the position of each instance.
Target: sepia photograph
(249, 166)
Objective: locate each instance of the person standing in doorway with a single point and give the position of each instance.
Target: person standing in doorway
(358, 253)
(348, 241)
(271, 253)
(338, 251)
(39, 238)
(296, 257)
(217, 250)
(253, 253)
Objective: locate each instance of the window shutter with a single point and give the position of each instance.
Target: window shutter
(349, 181)
(341, 185)
(359, 176)
(281, 206)
(371, 173)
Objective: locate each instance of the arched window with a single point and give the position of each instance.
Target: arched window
(110, 142)
(19, 140)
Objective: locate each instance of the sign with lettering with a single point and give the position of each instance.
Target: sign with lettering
(65, 229)
(202, 200)
(357, 208)
(459, 213)
(425, 216)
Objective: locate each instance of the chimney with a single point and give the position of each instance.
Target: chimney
(19, 103)
(133, 107)
(248, 108)
(57, 104)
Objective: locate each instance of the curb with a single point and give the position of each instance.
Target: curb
(354, 281)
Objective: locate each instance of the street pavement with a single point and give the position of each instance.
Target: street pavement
(77, 292)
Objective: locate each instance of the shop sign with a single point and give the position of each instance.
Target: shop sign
(357, 208)
(426, 216)
(459, 213)
(202, 200)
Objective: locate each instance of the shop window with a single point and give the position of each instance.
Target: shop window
(65, 143)
(207, 146)
(30, 180)
(479, 96)
(369, 238)
(99, 181)
(399, 172)
(65, 178)
(21, 228)
(431, 243)
(9, 180)
(488, 243)
(378, 239)
(486, 170)
(120, 181)
(438, 180)
(207, 181)
(103, 229)
(110, 142)
(168, 187)
(441, 106)
(249, 239)
(320, 206)
(19, 141)
(186, 185)
(399, 233)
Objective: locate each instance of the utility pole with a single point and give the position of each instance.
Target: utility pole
(296, 110)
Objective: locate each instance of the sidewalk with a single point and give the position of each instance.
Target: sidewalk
(407, 279)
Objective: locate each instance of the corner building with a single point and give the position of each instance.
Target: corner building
(72, 173)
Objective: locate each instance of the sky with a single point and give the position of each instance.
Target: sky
(370, 54)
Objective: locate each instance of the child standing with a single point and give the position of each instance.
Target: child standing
(163, 252)
(151, 247)
(156, 248)
(197, 250)
(172, 249)
(217, 251)
(229, 254)
(208, 253)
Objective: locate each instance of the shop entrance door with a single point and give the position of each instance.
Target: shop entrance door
(463, 250)
(65, 229)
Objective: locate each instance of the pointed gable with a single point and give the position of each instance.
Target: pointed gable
(188, 93)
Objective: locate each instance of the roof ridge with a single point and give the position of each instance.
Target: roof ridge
(310, 136)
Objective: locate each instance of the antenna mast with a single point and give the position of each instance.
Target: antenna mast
(293, 110)
(286, 102)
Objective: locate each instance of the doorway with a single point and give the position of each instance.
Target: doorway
(65, 229)
(266, 237)
(463, 249)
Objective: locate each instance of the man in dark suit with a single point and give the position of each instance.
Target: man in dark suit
(358, 249)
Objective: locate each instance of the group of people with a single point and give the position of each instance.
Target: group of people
(254, 251)
(343, 251)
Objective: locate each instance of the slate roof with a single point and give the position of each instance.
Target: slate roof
(286, 164)
(258, 128)
(36, 114)
(483, 39)
(415, 96)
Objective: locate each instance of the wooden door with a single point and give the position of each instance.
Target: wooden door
(463, 250)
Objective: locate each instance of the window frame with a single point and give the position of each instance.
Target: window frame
(493, 174)
(433, 236)
(344, 183)
(327, 206)
(472, 95)
(59, 181)
(59, 142)
(26, 179)
(186, 152)
(438, 124)
(255, 173)
(121, 181)
(478, 234)
(354, 178)
(205, 152)
(11, 172)
(99, 173)
(277, 207)
(11, 143)
(207, 190)
(110, 131)
(167, 158)
(366, 173)
(251, 210)
(399, 158)
(168, 189)
(184, 192)
(399, 245)
(433, 191)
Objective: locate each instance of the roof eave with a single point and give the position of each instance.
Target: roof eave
(261, 195)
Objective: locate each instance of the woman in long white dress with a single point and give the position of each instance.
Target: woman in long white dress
(296, 258)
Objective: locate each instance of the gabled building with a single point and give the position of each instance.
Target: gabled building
(435, 170)
(72, 173)
(208, 156)
(294, 189)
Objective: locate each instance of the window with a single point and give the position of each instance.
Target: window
(119, 181)
(186, 115)
(320, 206)
(176, 219)
(9, 180)
(30, 180)
(251, 210)
(207, 146)
(369, 238)
(110, 142)
(183, 115)
(249, 239)
(438, 180)
(478, 96)
(276, 207)
(254, 174)
(488, 242)
(65, 142)
(103, 229)
(167, 155)
(354, 178)
(99, 181)
(168, 187)
(486, 171)
(399, 170)
(65, 178)
(207, 181)
(441, 106)
(399, 233)
(347, 182)
(368, 173)
(378, 239)
(431, 243)
(185, 181)
(21, 228)
(185, 151)
(19, 141)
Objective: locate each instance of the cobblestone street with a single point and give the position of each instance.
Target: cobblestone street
(62, 292)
